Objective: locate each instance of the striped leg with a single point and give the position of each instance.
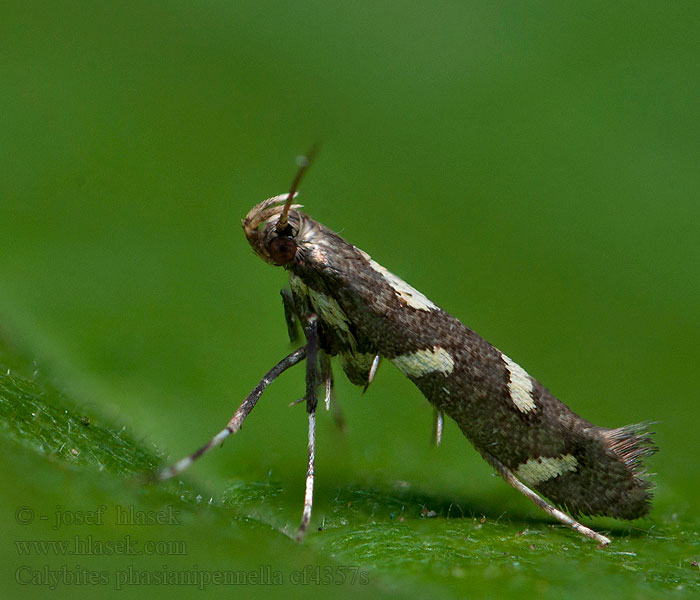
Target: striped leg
(243, 411)
(309, 490)
(311, 332)
(560, 516)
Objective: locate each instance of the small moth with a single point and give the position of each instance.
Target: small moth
(353, 309)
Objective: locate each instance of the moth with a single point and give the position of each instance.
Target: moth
(353, 309)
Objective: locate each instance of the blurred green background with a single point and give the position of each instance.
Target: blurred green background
(531, 167)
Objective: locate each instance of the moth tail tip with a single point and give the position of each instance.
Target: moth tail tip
(632, 443)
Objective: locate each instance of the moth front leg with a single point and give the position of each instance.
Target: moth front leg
(290, 315)
(312, 376)
(239, 416)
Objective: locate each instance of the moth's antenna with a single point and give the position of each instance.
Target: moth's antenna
(304, 162)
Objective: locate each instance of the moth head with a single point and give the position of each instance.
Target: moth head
(275, 226)
(274, 240)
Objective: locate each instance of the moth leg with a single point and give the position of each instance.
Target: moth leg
(336, 411)
(290, 315)
(327, 377)
(330, 400)
(438, 422)
(239, 416)
(312, 346)
(562, 517)
(309, 490)
(372, 372)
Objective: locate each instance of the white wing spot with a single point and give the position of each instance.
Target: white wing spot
(409, 294)
(424, 362)
(519, 386)
(538, 470)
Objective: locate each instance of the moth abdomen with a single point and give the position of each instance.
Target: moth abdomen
(592, 478)
(579, 466)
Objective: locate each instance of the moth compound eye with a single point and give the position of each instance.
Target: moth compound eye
(282, 250)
